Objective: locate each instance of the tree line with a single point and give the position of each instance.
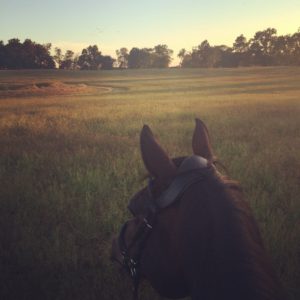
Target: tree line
(264, 49)
(31, 55)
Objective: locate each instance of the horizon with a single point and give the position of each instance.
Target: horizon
(111, 26)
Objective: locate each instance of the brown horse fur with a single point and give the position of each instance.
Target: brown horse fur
(207, 245)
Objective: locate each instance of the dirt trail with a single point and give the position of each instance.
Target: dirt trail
(53, 88)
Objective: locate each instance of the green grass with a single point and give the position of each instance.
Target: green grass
(69, 162)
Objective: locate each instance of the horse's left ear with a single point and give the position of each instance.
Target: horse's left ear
(156, 160)
(201, 143)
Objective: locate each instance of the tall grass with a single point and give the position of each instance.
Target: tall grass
(69, 163)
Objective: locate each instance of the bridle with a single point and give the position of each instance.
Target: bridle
(192, 170)
(131, 262)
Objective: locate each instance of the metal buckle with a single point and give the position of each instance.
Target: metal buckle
(132, 267)
(146, 222)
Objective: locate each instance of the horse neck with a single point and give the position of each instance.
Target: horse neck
(225, 257)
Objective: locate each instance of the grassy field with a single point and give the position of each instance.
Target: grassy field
(69, 161)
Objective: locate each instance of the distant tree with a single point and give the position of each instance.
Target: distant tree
(92, 59)
(203, 56)
(139, 58)
(146, 57)
(181, 54)
(161, 56)
(13, 51)
(107, 62)
(134, 59)
(2, 55)
(214, 57)
(27, 55)
(240, 45)
(157, 57)
(122, 58)
(261, 47)
(67, 61)
(43, 59)
(282, 50)
(75, 61)
(228, 58)
(187, 61)
(241, 51)
(264, 49)
(58, 56)
(206, 56)
(294, 46)
(221, 56)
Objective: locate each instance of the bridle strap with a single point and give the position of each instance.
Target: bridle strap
(192, 170)
(180, 185)
(131, 262)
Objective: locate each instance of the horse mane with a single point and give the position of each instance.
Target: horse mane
(239, 246)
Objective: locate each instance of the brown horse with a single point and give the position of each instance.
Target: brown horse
(192, 233)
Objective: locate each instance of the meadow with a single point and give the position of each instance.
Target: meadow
(70, 160)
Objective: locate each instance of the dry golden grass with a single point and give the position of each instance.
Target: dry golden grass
(69, 163)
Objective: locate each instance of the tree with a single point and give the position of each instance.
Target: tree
(139, 58)
(122, 58)
(146, 58)
(220, 56)
(181, 54)
(187, 61)
(92, 59)
(206, 56)
(294, 45)
(43, 59)
(228, 58)
(13, 51)
(107, 62)
(261, 46)
(67, 61)
(2, 55)
(157, 57)
(161, 56)
(203, 56)
(241, 51)
(240, 45)
(26, 55)
(282, 50)
(58, 56)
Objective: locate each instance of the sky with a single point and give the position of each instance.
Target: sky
(112, 24)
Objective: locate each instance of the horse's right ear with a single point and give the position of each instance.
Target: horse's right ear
(156, 160)
(201, 144)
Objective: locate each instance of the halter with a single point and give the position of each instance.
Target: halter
(193, 169)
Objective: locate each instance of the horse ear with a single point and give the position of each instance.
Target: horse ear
(156, 160)
(201, 144)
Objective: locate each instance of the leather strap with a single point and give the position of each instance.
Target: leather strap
(193, 169)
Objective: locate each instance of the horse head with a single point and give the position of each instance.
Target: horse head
(192, 234)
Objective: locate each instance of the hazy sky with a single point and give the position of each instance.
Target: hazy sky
(112, 24)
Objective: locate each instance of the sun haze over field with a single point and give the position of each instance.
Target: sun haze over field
(139, 23)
